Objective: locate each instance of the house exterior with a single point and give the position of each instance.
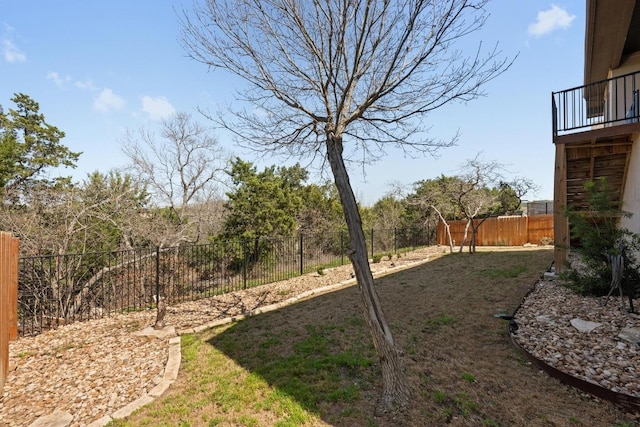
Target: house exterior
(596, 126)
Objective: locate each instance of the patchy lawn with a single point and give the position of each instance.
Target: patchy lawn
(313, 363)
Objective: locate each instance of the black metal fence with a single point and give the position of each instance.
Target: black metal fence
(608, 102)
(60, 289)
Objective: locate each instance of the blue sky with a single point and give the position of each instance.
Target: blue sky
(101, 68)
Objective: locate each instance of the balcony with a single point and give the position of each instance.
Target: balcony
(598, 110)
(593, 131)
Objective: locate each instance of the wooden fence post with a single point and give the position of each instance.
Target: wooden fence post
(13, 290)
(8, 299)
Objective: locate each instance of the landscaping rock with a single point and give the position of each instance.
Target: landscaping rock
(585, 339)
(631, 335)
(57, 419)
(584, 325)
(166, 331)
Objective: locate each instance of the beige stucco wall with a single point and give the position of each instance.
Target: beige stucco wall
(621, 90)
(631, 198)
(630, 64)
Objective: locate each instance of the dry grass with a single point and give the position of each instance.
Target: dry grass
(312, 363)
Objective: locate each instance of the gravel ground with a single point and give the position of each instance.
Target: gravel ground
(600, 356)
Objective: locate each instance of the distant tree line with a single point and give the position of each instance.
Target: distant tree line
(170, 193)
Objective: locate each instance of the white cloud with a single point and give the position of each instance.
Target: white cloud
(157, 108)
(59, 81)
(12, 53)
(107, 100)
(86, 85)
(550, 20)
(83, 85)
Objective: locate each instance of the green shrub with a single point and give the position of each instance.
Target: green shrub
(599, 236)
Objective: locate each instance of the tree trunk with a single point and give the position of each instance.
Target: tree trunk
(474, 234)
(472, 242)
(464, 236)
(447, 228)
(396, 391)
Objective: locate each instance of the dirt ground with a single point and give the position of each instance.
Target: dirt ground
(462, 366)
(506, 389)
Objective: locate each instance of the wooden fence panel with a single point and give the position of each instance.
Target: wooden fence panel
(501, 231)
(8, 299)
(504, 231)
(456, 228)
(540, 228)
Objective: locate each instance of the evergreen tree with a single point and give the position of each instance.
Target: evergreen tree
(263, 204)
(29, 147)
(596, 236)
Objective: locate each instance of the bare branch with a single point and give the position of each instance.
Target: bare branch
(372, 70)
(179, 168)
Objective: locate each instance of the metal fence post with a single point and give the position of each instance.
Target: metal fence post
(301, 256)
(341, 247)
(157, 275)
(372, 243)
(244, 264)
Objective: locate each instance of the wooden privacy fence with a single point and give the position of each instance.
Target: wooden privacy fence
(8, 299)
(502, 231)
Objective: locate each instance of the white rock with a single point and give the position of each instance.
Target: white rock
(546, 318)
(56, 419)
(584, 325)
(631, 335)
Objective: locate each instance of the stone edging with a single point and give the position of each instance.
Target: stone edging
(63, 419)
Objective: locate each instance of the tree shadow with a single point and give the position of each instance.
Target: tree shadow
(458, 356)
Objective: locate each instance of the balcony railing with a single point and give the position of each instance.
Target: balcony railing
(610, 102)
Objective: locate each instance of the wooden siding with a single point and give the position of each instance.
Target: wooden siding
(591, 161)
(502, 231)
(8, 299)
(600, 153)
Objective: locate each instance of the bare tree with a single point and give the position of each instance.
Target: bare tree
(470, 192)
(182, 170)
(480, 192)
(431, 196)
(74, 222)
(333, 77)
